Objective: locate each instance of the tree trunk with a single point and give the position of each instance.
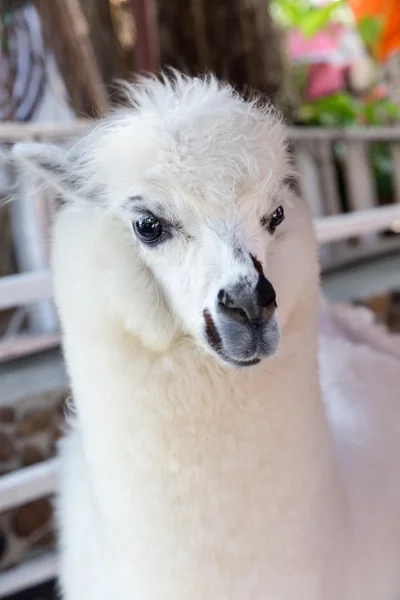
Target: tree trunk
(235, 39)
(111, 34)
(109, 53)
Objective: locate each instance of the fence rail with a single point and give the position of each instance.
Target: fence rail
(11, 133)
(341, 227)
(340, 171)
(29, 574)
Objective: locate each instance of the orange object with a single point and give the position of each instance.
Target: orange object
(389, 11)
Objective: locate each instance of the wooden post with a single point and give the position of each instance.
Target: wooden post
(235, 39)
(69, 23)
(360, 182)
(328, 177)
(395, 152)
(310, 186)
(147, 52)
(309, 178)
(392, 73)
(29, 229)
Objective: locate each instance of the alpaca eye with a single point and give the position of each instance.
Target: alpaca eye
(148, 229)
(276, 219)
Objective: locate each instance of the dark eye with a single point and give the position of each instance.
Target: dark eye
(276, 219)
(148, 229)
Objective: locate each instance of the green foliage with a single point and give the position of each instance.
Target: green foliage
(343, 110)
(380, 112)
(6, 19)
(337, 110)
(317, 18)
(303, 15)
(370, 29)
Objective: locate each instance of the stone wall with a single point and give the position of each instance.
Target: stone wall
(29, 430)
(386, 308)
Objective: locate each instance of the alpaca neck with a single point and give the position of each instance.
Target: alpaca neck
(124, 382)
(177, 430)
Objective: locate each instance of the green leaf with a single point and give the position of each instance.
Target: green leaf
(370, 29)
(337, 110)
(381, 112)
(288, 13)
(316, 18)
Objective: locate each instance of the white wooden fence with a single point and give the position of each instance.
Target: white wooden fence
(318, 185)
(31, 213)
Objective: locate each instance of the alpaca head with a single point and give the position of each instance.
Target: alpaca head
(185, 191)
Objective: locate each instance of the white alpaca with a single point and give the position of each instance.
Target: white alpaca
(195, 470)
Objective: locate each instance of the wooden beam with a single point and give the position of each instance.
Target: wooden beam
(25, 345)
(76, 28)
(369, 134)
(28, 484)
(346, 255)
(28, 574)
(12, 132)
(328, 177)
(147, 51)
(360, 182)
(395, 153)
(340, 227)
(309, 178)
(69, 23)
(26, 288)
(29, 227)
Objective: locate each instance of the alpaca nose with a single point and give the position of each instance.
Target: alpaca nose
(243, 304)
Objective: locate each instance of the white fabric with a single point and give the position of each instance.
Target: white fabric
(359, 371)
(356, 326)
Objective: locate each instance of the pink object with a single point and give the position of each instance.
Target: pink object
(325, 79)
(380, 92)
(324, 46)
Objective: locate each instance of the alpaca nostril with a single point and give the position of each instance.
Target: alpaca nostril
(245, 305)
(237, 314)
(266, 296)
(231, 308)
(224, 298)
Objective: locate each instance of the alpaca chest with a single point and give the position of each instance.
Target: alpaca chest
(206, 487)
(207, 509)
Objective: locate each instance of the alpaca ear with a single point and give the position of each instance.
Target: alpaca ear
(51, 164)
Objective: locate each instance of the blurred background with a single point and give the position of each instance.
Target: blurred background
(331, 67)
